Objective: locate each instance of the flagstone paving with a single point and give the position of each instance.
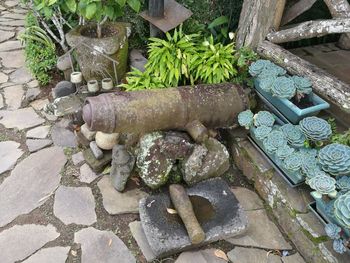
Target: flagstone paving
(55, 209)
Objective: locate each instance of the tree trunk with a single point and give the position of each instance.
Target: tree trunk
(296, 10)
(340, 9)
(256, 20)
(324, 83)
(310, 29)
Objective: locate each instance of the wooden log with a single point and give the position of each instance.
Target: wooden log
(296, 10)
(324, 83)
(256, 20)
(340, 9)
(183, 206)
(310, 29)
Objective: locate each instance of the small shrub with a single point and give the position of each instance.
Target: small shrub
(40, 51)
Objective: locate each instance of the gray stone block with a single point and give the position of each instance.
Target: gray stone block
(96, 151)
(217, 210)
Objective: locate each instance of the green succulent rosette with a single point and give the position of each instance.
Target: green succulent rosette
(303, 85)
(310, 167)
(293, 162)
(343, 183)
(273, 141)
(294, 135)
(264, 118)
(245, 119)
(342, 209)
(315, 129)
(261, 132)
(339, 246)
(332, 231)
(309, 152)
(258, 66)
(283, 87)
(323, 185)
(284, 151)
(266, 83)
(335, 159)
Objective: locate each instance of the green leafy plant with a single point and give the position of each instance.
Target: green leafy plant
(141, 80)
(170, 59)
(219, 28)
(213, 63)
(40, 51)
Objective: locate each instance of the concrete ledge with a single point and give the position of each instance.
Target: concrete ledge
(289, 205)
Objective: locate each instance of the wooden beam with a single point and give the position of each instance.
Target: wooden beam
(296, 10)
(324, 83)
(311, 29)
(340, 9)
(256, 20)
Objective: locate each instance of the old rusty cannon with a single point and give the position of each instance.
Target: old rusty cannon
(189, 108)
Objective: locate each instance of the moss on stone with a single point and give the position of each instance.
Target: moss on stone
(315, 240)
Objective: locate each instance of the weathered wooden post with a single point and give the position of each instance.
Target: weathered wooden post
(156, 10)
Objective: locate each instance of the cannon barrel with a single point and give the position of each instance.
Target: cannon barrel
(164, 109)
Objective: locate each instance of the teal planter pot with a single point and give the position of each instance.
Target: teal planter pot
(289, 110)
(321, 207)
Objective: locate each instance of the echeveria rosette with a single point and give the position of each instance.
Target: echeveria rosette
(261, 132)
(342, 209)
(273, 141)
(245, 118)
(283, 87)
(323, 185)
(271, 70)
(303, 85)
(310, 166)
(335, 159)
(332, 231)
(315, 129)
(293, 162)
(309, 151)
(338, 246)
(343, 183)
(265, 83)
(284, 151)
(258, 66)
(294, 135)
(264, 118)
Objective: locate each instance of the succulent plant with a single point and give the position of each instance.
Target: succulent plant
(283, 87)
(323, 185)
(342, 209)
(284, 151)
(271, 70)
(258, 66)
(335, 159)
(333, 231)
(303, 85)
(293, 162)
(266, 83)
(338, 246)
(264, 118)
(315, 129)
(309, 151)
(343, 183)
(261, 132)
(245, 119)
(310, 167)
(294, 135)
(274, 140)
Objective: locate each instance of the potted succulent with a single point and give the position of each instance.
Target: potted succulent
(280, 142)
(99, 32)
(292, 96)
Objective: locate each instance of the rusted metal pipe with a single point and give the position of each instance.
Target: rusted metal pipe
(165, 109)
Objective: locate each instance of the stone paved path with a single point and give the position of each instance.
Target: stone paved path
(55, 209)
